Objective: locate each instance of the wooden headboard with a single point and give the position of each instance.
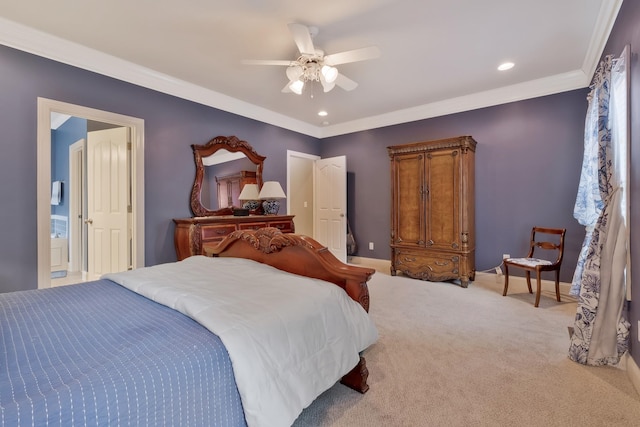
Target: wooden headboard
(296, 254)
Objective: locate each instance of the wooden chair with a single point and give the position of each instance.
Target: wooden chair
(550, 245)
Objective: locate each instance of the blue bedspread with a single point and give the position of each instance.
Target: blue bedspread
(99, 354)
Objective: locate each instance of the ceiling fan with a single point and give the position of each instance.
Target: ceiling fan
(313, 65)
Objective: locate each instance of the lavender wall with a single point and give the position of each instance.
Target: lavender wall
(68, 133)
(171, 126)
(626, 31)
(528, 162)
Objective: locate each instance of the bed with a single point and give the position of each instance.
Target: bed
(249, 335)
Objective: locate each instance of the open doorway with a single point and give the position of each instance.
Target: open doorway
(317, 196)
(134, 186)
(90, 218)
(300, 199)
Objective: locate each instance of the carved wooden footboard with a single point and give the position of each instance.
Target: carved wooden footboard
(302, 255)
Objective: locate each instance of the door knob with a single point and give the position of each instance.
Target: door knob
(88, 221)
(341, 215)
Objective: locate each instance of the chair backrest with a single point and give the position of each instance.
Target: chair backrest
(541, 237)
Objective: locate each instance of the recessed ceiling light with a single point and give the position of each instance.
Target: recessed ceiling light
(506, 66)
(322, 113)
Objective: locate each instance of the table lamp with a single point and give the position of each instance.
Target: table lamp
(271, 194)
(250, 196)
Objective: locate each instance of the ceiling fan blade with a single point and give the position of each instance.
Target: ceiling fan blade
(266, 62)
(345, 82)
(355, 55)
(302, 37)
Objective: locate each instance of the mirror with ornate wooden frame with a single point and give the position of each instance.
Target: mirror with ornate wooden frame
(203, 152)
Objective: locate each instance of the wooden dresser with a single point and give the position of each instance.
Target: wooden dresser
(191, 234)
(432, 209)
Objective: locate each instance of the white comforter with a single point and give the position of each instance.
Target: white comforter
(289, 337)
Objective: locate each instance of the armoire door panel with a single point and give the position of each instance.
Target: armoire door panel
(443, 208)
(410, 199)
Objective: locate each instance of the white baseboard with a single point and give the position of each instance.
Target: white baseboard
(380, 265)
(517, 282)
(384, 266)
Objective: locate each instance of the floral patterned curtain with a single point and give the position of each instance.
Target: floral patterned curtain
(601, 333)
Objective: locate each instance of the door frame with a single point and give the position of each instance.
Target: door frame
(291, 178)
(76, 188)
(43, 178)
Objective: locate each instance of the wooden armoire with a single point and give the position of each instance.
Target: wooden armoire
(230, 186)
(432, 209)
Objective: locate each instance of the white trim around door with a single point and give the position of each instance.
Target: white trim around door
(43, 215)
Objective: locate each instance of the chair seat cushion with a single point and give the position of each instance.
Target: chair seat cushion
(529, 262)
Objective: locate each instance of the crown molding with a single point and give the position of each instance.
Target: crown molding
(45, 45)
(572, 80)
(518, 92)
(51, 47)
(606, 19)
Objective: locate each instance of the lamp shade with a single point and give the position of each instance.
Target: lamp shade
(271, 190)
(330, 73)
(294, 72)
(296, 87)
(326, 86)
(249, 192)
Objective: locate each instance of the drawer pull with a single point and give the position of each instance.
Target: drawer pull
(442, 263)
(221, 232)
(409, 259)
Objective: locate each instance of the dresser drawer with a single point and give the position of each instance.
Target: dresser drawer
(426, 266)
(215, 233)
(283, 226)
(252, 225)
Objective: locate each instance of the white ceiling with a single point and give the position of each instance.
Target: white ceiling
(438, 57)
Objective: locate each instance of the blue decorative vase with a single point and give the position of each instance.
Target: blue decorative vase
(252, 205)
(271, 207)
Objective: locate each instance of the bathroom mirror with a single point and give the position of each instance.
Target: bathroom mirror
(208, 157)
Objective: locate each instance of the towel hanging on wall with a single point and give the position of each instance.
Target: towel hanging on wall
(56, 192)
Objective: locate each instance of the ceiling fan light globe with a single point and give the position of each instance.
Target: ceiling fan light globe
(296, 87)
(327, 86)
(330, 73)
(294, 72)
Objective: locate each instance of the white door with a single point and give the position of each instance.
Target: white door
(108, 230)
(330, 225)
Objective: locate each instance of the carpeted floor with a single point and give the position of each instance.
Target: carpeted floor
(449, 356)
